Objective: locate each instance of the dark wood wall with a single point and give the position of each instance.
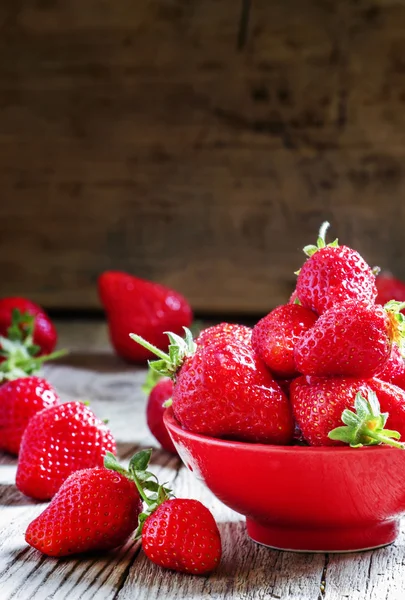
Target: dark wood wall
(196, 143)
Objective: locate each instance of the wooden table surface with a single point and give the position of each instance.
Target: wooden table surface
(247, 571)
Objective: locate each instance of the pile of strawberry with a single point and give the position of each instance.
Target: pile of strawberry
(67, 455)
(324, 369)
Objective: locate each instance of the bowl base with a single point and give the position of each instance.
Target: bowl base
(350, 539)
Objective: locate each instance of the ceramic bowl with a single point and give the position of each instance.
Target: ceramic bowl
(308, 499)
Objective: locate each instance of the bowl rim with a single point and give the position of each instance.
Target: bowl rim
(172, 423)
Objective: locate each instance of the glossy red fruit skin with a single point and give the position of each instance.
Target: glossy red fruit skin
(134, 305)
(95, 509)
(318, 403)
(394, 369)
(20, 399)
(392, 401)
(182, 535)
(275, 336)
(334, 275)
(233, 331)
(389, 288)
(351, 339)
(45, 335)
(57, 442)
(159, 394)
(226, 390)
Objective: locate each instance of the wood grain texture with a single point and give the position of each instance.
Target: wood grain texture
(152, 137)
(247, 571)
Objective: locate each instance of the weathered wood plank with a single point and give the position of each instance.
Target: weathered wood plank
(146, 134)
(247, 571)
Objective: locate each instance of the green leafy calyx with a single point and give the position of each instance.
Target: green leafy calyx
(152, 378)
(365, 425)
(321, 243)
(18, 348)
(179, 349)
(152, 493)
(397, 321)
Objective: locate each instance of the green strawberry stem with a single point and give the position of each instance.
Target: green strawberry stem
(154, 349)
(152, 378)
(150, 490)
(19, 351)
(179, 349)
(365, 425)
(321, 243)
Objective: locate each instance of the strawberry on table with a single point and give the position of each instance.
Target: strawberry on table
(56, 442)
(320, 402)
(275, 336)
(351, 339)
(95, 509)
(22, 394)
(20, 399)
(144, 307)
(333, 274)
(44, 335)
(178, 534)
(223, 389)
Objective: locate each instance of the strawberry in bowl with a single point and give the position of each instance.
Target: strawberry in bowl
(338, 354)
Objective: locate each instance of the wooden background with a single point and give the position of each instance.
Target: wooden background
(197, 143)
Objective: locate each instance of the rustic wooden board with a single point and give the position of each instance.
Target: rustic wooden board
(247, 572)
(156, 138)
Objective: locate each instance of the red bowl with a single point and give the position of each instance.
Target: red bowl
(308, 499)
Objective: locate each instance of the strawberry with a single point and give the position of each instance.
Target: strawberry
(159, 394)
(178, 534)
(20, 399)
(394, 369)
(275, 336)
(351, 339)
(223, 389)
(44, 336)
(95, 509)
(333, 274)
(388, 287)
(149, 309)
(19, 356)
(56, 442)
(320, 404)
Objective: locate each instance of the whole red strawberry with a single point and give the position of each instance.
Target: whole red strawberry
(223, 389)
(20, 399)
(320, 403)
(182, 535)
(58, 441)
(334, 274)
(95, 509)
(275, 336)
(144, 307)
(45, 335)
(394, 369)
(389, 288)
(160, 393)
(19, 355)
(351, 339)
(178, 534)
